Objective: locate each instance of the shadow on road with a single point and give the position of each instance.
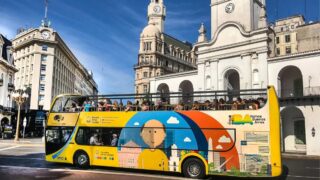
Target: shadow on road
(37, 160)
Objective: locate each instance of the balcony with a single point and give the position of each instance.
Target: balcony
(10, 87)
(142, 64)
(299, 92)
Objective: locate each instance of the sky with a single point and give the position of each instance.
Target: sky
(104, 34)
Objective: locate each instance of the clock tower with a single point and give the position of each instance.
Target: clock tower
(157, 14)
(247, 13)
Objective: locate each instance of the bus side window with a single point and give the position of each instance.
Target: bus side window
(110, 136)
(98, 136)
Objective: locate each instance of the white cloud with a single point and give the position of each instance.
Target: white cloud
(219, 147)
(224, 139)
(136, 124)
(187, 140)
(173, 120)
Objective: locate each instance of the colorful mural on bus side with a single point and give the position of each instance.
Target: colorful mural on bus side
(161, 140)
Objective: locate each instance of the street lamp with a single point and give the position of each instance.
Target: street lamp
(19, 96)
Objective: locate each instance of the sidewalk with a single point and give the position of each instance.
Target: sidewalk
(25, 141)
(299, 156)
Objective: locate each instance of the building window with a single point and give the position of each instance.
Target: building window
(10, 78)
(42, 77)
(31, 68)
(288, 50)
(41, 97)
(42, 88)
(43, 58)
(44, 47)
(147, 46)
(256, 75)
(278, 40)
(43, 67)
(145, 89)
(145, 74)
(278, 51)
(288, 38)
(208, 83)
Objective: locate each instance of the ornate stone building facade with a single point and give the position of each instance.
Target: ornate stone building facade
(159, 53)
(7, 71)
(242, 54)
(48, 67)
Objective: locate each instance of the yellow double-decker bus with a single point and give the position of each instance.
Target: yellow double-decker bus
(204, 133)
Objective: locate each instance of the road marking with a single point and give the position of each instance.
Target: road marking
(3, 149)
(26, 145)
(38, 159)
(311, 168)
(93, 171)
(308, 177)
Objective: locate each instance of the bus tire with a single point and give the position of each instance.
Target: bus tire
(193, 168)
(81, 160)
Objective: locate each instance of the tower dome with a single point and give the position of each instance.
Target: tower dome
(151, 31)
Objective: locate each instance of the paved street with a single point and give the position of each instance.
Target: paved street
(26, 161)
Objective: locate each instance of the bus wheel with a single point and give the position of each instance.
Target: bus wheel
(193, 168)
(81, 159)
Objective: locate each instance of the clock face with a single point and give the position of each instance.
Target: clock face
(157, 9)
(230, 8)
(45, 34)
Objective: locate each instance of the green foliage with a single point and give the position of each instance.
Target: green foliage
(236, 172)
(211, 167)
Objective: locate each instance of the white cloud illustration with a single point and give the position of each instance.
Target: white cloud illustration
(173, 120)
(219, 147)
(187, 140)
(136, 124)
(224, 139)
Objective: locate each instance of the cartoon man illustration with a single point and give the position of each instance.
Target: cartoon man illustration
(153, 134)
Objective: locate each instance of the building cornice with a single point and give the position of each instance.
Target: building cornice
(8, 66)
(182, 74)
(234, 24)
(234, 54)
(235, 45)
(296, 55)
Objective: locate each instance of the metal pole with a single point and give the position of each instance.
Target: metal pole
(16, 139)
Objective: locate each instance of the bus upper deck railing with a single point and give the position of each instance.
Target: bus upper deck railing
(164, 101)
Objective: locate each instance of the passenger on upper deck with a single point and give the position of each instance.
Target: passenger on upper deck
(145, 106)
(196, 106)
(129, 106)
(179, 107)
(86, 106)
(115, 106)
